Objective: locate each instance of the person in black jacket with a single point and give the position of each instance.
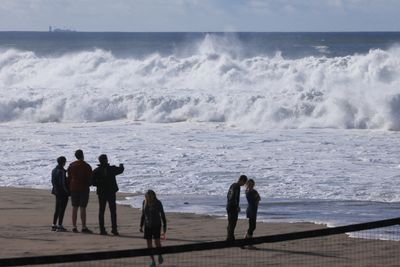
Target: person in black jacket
(232, 206)
(152, 217)
(59, 182)
(105, 181)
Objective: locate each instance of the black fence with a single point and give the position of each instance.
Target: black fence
(97, 257)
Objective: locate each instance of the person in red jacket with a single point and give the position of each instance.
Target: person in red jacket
(79, 178)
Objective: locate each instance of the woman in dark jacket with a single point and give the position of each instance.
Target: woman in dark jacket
(152, 217)
(59, 182)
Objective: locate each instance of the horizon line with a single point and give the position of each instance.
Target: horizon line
(77, 31)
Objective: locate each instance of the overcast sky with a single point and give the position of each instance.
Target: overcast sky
(201, 15)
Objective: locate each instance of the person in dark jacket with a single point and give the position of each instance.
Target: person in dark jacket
(106, 183)
(59, 182)
(152, 217)
(253, 198)
(232, 206)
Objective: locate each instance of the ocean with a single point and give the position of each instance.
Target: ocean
(313, 118)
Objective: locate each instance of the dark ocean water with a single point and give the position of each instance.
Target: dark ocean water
(138, 45)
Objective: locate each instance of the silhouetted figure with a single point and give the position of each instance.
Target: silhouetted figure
(61, 192)
(253, 198)
(106, 183)
(232, 206)
(152, 216)
(79, 177)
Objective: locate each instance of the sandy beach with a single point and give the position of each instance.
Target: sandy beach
(26, 216)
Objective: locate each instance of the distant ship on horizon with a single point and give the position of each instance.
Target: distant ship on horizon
(54, 29)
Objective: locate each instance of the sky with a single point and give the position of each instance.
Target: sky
(200, 15)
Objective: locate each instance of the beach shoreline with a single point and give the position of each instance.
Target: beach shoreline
(25, 230)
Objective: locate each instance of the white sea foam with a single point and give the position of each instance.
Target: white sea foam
(323, 49)
(213, 84)
(319, 175)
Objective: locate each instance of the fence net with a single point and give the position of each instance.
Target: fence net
(377, 246)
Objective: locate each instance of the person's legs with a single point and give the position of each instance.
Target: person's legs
(63, 206)
(232, 220)
(74, 216)
(84, 199)
(113, 211)
(157, 242)
(150, 245)
(252, 227)
(83, 217)
(102, 208)
(56, 212)
(75, 201)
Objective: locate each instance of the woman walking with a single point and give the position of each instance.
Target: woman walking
(152, 217)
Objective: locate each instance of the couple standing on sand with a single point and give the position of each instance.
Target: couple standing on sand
(233, 208)
(80, 178)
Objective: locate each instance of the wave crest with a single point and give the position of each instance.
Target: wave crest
(214, 85)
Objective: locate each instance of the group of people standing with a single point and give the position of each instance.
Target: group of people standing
(77, 179)
(75, 182)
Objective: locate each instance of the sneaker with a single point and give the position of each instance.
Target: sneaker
(160, 259)
(152, 264)
(114, 232)
(61, 228)
(54, 228)
(74, 230)
(103, 232)
(86, 231)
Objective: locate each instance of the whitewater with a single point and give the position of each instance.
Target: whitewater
(213, 85)
(319, 133)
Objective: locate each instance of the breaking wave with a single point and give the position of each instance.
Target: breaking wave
(215, 84)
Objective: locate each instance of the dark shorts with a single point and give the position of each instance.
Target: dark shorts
(80, 199)
(152, 232)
